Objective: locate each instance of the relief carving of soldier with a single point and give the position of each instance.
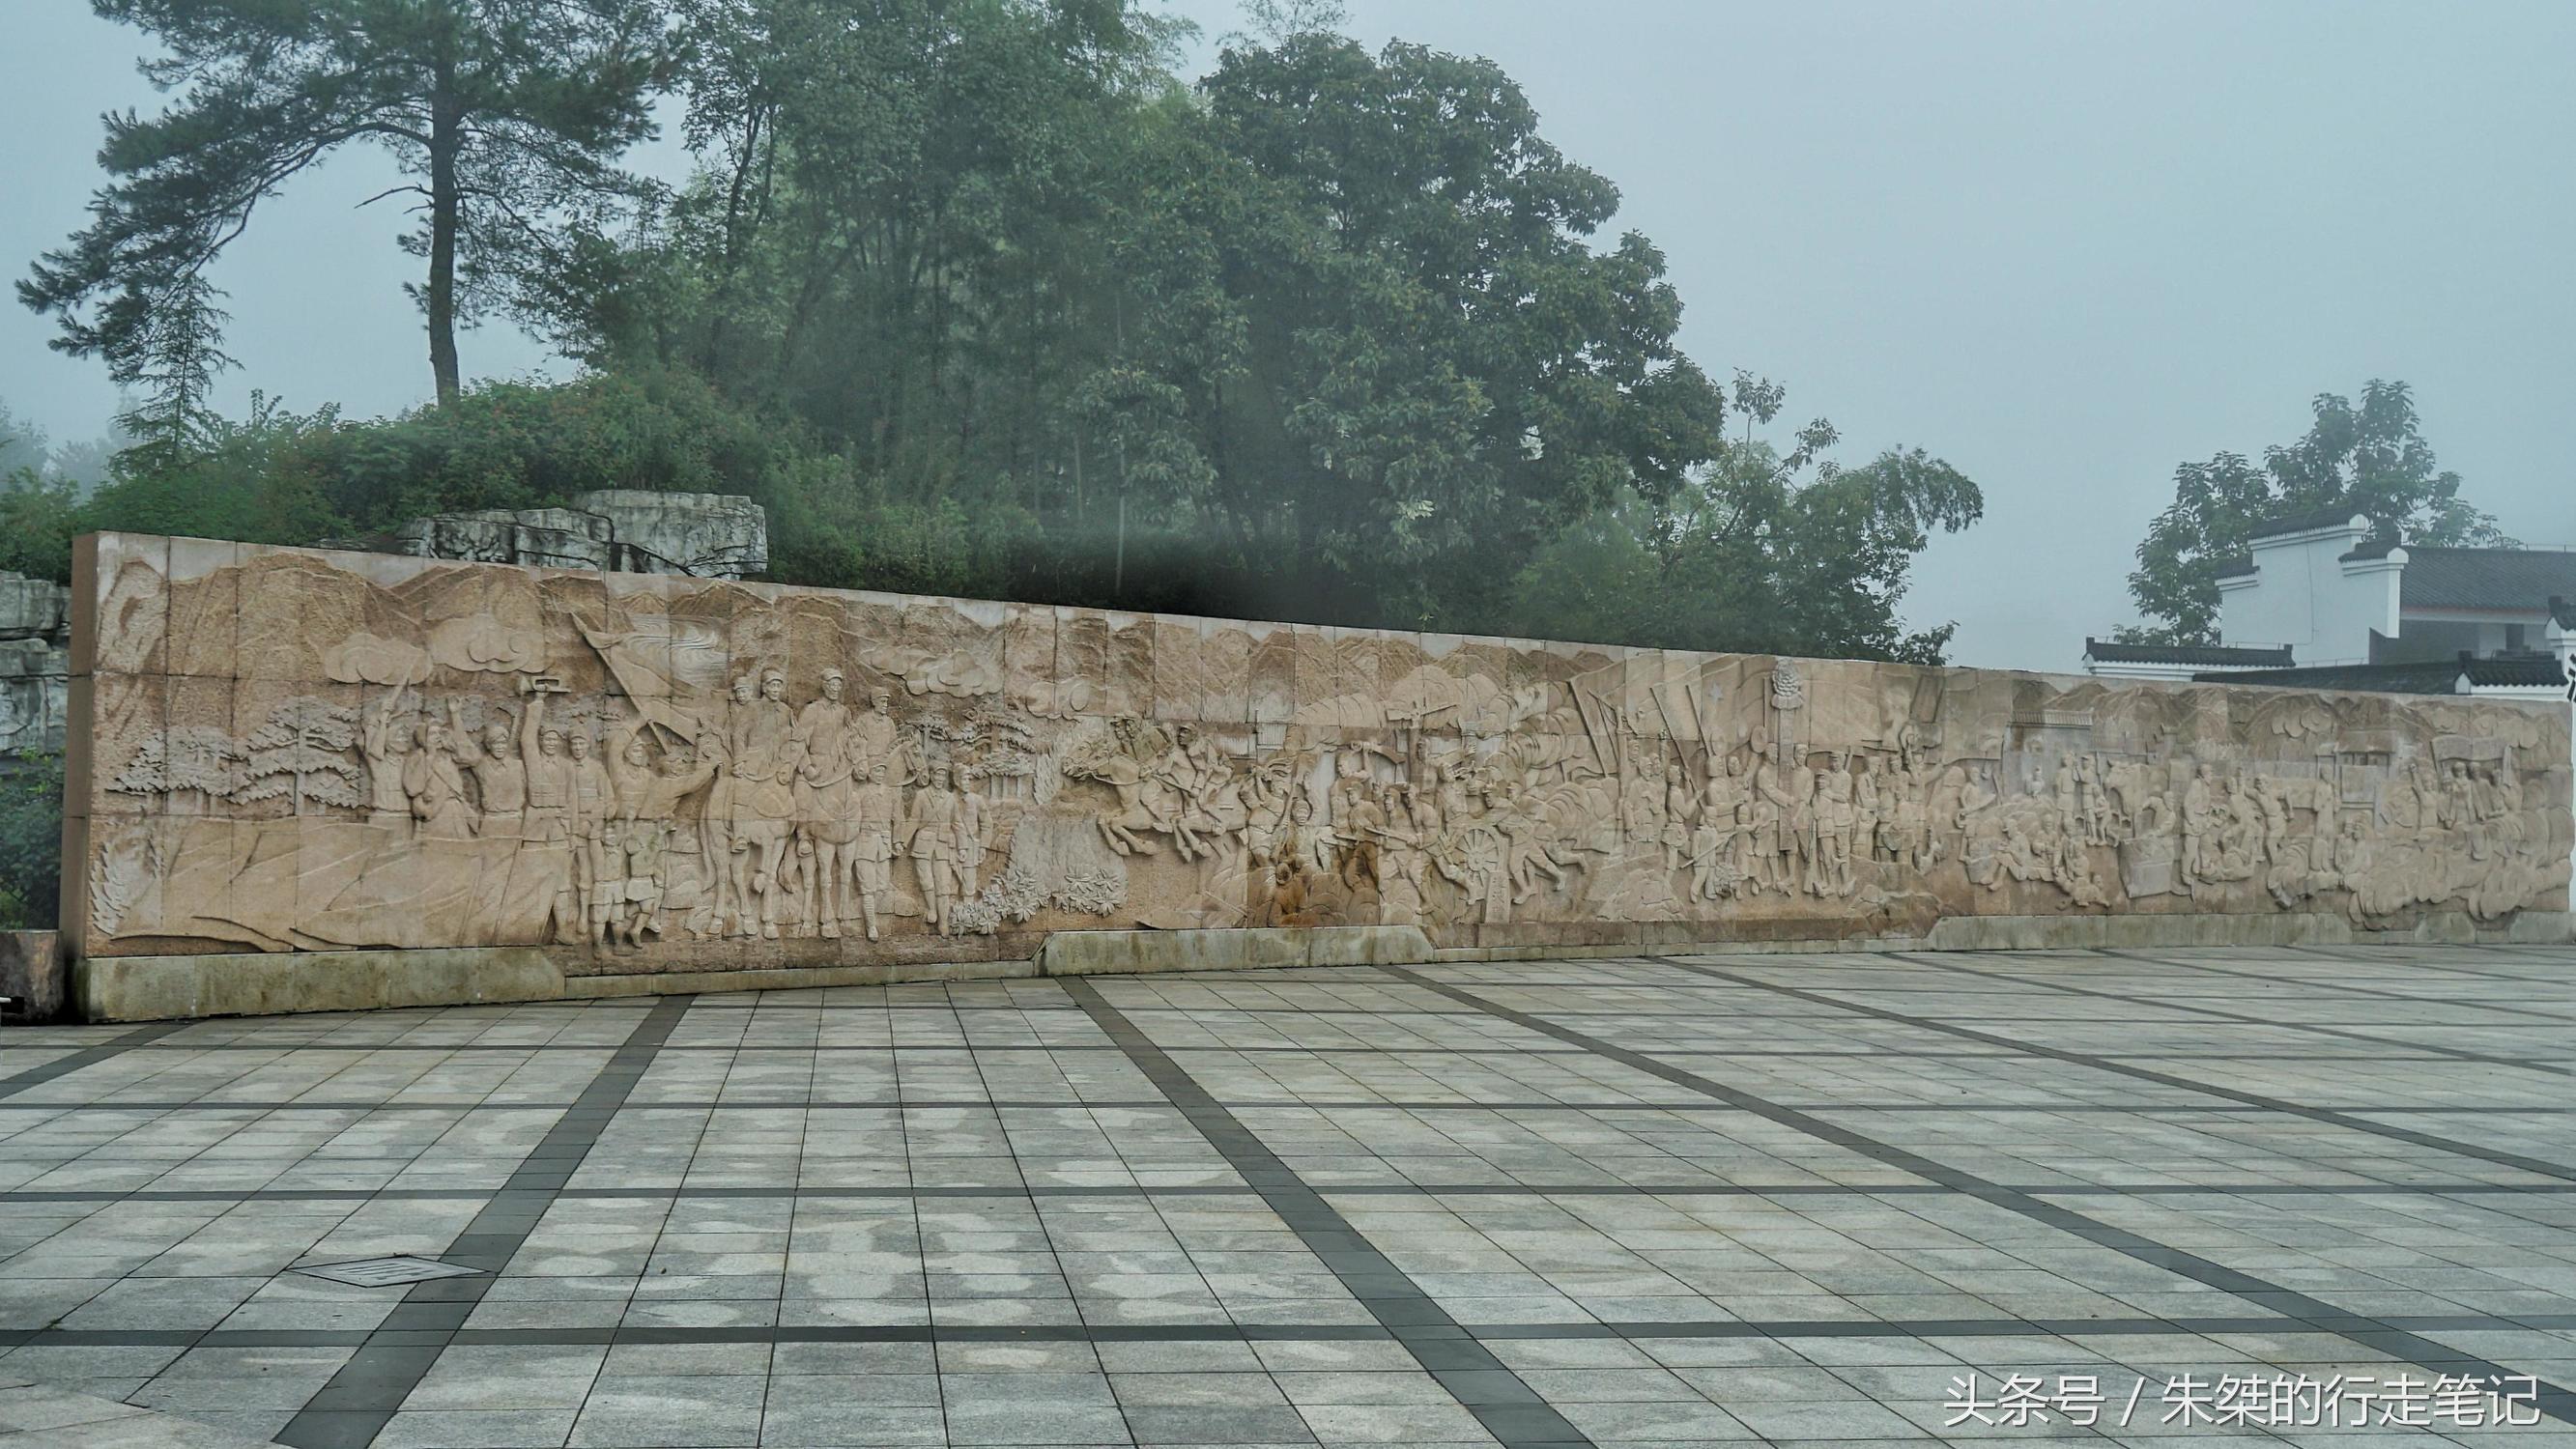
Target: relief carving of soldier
(930, 839)
(872, 853)
(590, 805)
(1679, 808)
(759, 804)
(826, 806)
(1720, 850)
(435, 785)
(385, 743)
(499, 773)
(1830, 874)
(874, 735)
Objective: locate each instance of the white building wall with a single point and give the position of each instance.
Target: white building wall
(2303, 594)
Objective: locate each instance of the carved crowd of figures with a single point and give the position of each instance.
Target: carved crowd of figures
(1531, 829)
(781, 820)
(476, 755)
(1521, 830)
(774, 818)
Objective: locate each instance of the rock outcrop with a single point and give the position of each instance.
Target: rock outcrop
(615, 530)
(35, 659)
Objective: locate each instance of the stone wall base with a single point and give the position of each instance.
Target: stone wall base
(2087, 933)
(161, 988)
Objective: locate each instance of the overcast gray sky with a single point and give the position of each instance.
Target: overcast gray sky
(2065, 247)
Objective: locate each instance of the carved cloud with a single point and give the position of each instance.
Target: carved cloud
(961, 672)
(365, 658)
(483, 644)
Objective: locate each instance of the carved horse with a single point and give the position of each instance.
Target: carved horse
(1146, 805)
(759, 819)
(827, 826)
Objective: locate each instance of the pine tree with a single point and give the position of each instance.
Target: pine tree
(302, 753)
(507, 116)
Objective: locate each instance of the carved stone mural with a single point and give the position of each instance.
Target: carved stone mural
(282, 750)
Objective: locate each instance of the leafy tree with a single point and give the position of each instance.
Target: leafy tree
(1375, 359)
(257, 480)
(36, 527)
(197, 759)
(1766, 550)
(35, 505)
(894, 230)
(2369, 459)
(977, 299)
(31, 842)
(27, 459)
(22, 445)
(85, 465)
(507, 116)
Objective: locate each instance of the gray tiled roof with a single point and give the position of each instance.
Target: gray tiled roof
(2486, 578)
(2424, 676)
(2434, 676)
(2515, 670)
(2209, 656)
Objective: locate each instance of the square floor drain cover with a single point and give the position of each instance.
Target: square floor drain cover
(387, 1272)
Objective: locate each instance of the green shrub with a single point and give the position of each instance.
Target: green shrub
(31, 843)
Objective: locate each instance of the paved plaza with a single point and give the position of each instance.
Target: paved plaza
(1721, 1199)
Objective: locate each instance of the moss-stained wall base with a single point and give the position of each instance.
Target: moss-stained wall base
(160, 988)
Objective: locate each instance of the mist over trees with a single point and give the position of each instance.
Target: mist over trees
(978, 297)
(506, 118)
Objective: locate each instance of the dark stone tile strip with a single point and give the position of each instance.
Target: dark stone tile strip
(2396, 1051)
(2003, 1327)
(64, 1066)
(2371, 1333)
(1035, 1104)
(2318, 1028)
(1355, 1189)
(1509, 1409)
(281, 1049)
(354, 1407)
(2325, 1116)
(2362, 955)
(2341, 988)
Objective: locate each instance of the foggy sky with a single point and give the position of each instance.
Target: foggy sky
(2064, 247)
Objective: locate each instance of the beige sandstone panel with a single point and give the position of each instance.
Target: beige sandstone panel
(1082, 662)
(281, 750)
(1130, 666)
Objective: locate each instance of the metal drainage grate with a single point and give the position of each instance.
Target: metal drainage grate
(387, 1272)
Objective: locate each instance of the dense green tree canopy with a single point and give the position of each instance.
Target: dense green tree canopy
(978, 298)
(2370, 458)
(1771, 550)
(1389, 362)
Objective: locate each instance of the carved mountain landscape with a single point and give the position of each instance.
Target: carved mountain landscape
(282, 750)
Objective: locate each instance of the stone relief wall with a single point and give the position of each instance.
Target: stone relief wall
(280, 750)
